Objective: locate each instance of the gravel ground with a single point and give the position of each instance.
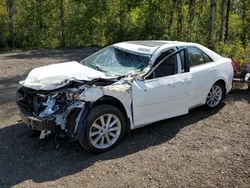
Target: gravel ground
(201, 149)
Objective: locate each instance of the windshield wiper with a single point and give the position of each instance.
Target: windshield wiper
(98, 68)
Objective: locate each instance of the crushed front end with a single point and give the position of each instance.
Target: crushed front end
(51, 110)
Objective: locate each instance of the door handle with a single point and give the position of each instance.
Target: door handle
(170, 84)
(212, 69)
(185, 81)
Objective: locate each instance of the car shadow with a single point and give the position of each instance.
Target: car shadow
(239, 95)
(8, 87)
(24, 157)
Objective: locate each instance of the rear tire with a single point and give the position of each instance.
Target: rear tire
(215, 96)
(103, 130)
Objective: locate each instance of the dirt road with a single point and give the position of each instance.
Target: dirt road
(201, 149)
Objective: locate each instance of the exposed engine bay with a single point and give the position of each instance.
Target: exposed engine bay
(63, 107)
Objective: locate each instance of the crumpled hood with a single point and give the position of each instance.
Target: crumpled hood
(57, 75)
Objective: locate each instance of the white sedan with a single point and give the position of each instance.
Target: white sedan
(122, 87)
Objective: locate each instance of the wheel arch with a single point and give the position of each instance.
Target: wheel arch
(223, 83)
(106, 99)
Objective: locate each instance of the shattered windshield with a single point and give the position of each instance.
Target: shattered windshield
(116, 62)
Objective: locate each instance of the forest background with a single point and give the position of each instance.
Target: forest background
(222, 25)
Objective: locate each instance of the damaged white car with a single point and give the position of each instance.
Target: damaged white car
(122, 87)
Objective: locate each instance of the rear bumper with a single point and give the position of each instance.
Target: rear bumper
(39, 124)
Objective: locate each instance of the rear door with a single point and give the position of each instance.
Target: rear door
(203, 71)
(164, 94)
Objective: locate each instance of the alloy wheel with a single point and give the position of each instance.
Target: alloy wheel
(214, 96)
(105, 131)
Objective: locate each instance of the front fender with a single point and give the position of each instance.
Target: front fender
(81, 120)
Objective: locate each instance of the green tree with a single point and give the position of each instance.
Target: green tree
(223, 25)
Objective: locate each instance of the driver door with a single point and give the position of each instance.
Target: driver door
(166, 94)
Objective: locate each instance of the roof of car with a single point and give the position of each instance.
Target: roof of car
(151, 43)
(144, 46)
(149, 47)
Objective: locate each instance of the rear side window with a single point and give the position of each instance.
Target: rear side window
(206, 58)
(197, 57)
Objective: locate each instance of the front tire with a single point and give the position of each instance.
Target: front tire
(215, 96)
(104, 129)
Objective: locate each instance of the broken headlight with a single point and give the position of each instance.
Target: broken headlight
(58, 102)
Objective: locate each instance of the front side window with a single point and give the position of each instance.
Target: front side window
(117, 62)
(197, 57)
(167, 67)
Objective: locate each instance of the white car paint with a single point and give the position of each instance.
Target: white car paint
(160, 98)
(136, 48)
(58, 75)
(183, 91)
(145, 101)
